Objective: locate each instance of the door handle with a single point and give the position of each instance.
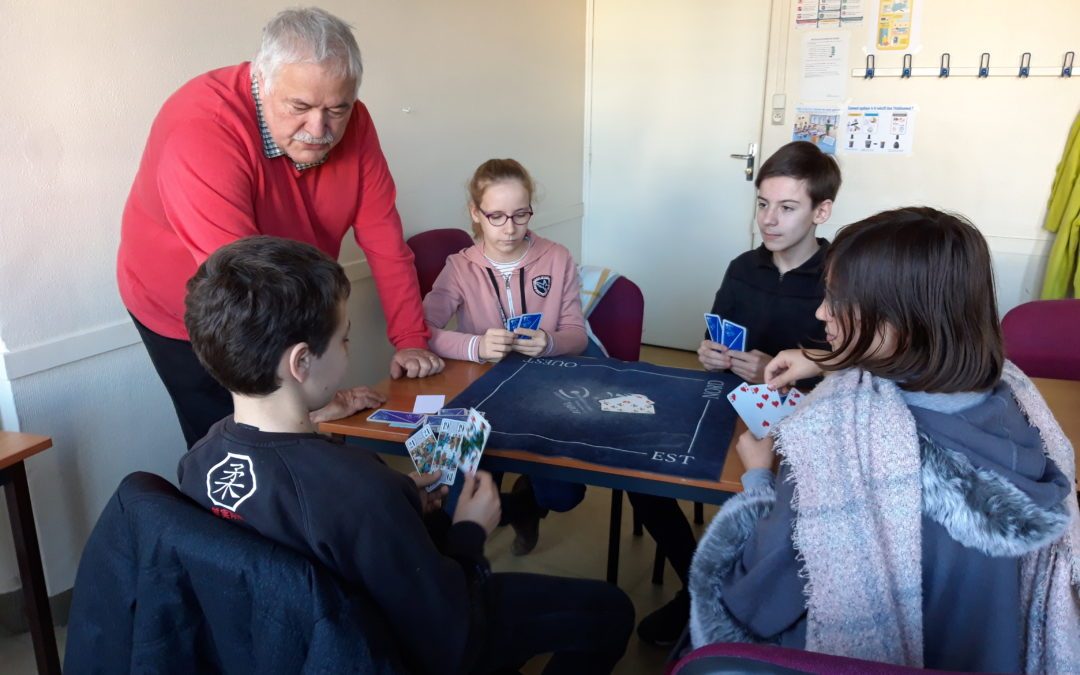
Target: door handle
(751, 153)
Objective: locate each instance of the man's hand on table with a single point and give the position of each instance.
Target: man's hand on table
(415, 363)
(348, 402)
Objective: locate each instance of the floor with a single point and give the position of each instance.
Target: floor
(571, 544)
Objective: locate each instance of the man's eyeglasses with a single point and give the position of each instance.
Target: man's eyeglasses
(498, 218)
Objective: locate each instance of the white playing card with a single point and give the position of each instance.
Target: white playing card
(793, 399)
(421, 446)
(632, 403)
(758, 407)
(447, 451)
(472, 447)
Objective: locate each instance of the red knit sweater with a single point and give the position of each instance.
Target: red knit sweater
(204, 181)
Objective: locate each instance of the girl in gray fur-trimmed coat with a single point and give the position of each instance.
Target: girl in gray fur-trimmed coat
(924, 511)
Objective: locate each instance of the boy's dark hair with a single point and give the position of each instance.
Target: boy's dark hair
(928, 275)
(253, 299)
(803, 160)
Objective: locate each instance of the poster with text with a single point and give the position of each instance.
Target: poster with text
(878, 129)
(824, 71)
(827, 13)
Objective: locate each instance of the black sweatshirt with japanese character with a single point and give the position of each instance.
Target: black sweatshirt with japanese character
(361, 519)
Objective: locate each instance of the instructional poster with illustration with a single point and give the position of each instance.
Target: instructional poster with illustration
(879, 129)
(828, 13)
(819, 125)
(896, 26)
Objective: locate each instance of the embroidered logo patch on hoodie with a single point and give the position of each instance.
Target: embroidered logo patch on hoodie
(541, 285)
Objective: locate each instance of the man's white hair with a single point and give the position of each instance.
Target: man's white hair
(307, 35)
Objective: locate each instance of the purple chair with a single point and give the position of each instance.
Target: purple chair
(618, 318)
(747, 658)
(431, 249)
(1040, 338)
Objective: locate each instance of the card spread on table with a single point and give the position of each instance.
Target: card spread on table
(762, 408)
(397, 417)
(630, 403)
(428, 403)
(727, 333)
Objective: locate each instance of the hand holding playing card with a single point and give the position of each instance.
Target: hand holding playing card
(533, 342)
(713, 356)
(429, 501)
(790, 366)
(495, 344)
(479, 502)
(750, 366)
(755, 453)
(762, 408)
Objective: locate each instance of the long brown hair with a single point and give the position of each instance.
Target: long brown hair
(927, 275)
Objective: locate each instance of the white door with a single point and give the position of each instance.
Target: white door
(676, 87)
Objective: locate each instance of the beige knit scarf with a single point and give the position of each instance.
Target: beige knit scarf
(854, 456)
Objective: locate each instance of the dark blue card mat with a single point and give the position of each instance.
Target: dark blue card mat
(551, 406)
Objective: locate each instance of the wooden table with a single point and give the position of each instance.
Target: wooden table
(401, 394)
(1063, 397)
(14, 450)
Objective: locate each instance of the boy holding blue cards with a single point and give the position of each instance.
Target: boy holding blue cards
(769, 295)
(765, 304)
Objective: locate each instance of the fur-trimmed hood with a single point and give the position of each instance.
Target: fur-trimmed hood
(986, 480)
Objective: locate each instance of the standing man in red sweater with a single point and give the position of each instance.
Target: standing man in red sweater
(279, 146)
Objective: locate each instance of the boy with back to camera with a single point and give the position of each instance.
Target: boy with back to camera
(773, 291)
(267, 318)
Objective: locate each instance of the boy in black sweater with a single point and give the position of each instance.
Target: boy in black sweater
(267, 318)
(773, 291)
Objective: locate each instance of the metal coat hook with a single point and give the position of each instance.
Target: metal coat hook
(984, 64)
(869, 67)
(1025, 64)
(906, 72)
(1067, 66)
(945, 59)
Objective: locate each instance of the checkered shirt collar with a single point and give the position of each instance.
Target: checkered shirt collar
(270, 148)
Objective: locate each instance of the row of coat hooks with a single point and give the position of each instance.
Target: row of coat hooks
(945, 70)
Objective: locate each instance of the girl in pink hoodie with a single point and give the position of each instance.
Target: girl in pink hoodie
(508, 272)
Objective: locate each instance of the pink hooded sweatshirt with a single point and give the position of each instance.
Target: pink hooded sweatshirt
(546, 281)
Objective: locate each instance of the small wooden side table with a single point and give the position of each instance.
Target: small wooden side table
(15, 448)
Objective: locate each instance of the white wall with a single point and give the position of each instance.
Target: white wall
(82, 82)
(986, 148)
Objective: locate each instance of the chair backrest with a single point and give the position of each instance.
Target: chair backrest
(618, 318)
(1039, 338)
(430, 251)
(750, 658)
(164, 586)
